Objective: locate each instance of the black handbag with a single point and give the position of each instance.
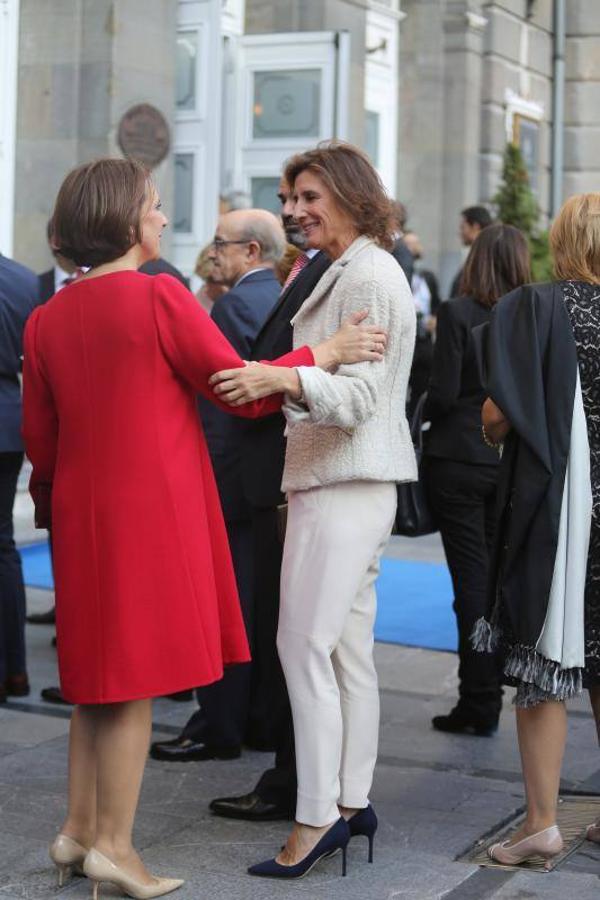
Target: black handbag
(413, 515)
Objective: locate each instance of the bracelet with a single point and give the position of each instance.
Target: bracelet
(495, 445)
(299, 399)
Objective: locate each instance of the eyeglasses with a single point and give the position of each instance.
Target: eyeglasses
(219, 243)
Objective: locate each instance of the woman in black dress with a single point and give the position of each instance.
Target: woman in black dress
(461, 471)
(543, 381)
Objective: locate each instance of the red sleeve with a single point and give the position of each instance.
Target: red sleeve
(303, 356)
(196, 348)
(40, 423)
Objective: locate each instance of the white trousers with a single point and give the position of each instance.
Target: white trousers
(334, 539)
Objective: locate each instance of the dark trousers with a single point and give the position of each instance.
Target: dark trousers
(269, 720)
(279, 785)
(269, 706)
(222, 718)
(270, 709)
(12, 591)
(463, 498)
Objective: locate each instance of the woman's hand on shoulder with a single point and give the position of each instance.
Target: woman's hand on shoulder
(352, 343)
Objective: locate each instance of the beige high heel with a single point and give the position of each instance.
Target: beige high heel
(67, 855)
(99, 868)
(547, 844)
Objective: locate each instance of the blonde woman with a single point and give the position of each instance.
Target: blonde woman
(543, 381)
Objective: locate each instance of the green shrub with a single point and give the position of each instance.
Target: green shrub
(516, 205)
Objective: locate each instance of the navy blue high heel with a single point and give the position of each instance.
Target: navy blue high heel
(364, 822)
(335, 839)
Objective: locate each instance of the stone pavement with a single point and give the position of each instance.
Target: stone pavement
(435, 796)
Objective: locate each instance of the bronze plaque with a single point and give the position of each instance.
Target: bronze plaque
(144, 134)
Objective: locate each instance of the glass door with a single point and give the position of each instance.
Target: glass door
(291, 93)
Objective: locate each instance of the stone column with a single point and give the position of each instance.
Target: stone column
(421, 112)
(582, 98)
(464, 27)
(9, 31)
(82, 64)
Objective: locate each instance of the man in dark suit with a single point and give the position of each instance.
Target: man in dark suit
(246, 247)
(473, 220)
(400, 251)
(18, 297)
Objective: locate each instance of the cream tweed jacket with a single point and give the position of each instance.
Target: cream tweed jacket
(351, 425)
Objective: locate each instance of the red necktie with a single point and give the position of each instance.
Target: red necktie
(299, 263)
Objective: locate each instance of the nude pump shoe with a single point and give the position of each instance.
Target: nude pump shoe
(99, 868)
(67, 855)
(546, 843)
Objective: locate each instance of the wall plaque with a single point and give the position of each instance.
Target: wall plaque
(144, 134)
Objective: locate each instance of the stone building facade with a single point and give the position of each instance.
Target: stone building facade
(433, 89)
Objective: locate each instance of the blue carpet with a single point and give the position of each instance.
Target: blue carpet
(414, 599)
(414, 605)
(37, 570)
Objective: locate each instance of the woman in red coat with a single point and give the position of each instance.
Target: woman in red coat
(146, 597)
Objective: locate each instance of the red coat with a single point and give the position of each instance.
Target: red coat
(146, 599)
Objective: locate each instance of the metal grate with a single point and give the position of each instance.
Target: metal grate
(575, 813)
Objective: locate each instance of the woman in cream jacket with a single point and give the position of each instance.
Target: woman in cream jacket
(348, 444)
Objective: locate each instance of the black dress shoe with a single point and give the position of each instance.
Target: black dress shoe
(460, 721)
(183, 749)
(45, 618)
(18, 685)
(54, 695)
(250, 807)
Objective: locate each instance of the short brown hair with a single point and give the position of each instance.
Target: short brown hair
(575, 239)
(498, 262)
(97, 214)
(354, 183)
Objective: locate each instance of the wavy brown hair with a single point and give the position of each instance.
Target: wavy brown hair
(575, 239)
(354, 184)
(498, 262)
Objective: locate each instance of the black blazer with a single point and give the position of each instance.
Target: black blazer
(455, 394)
(160, 266)
(529, 360)
(263, 445)
(455, 286)
(404, 258)
(46, 283)
(239, 314)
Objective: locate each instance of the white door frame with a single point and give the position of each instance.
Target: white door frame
(9, 54)
(381, 88)
(198, 130)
